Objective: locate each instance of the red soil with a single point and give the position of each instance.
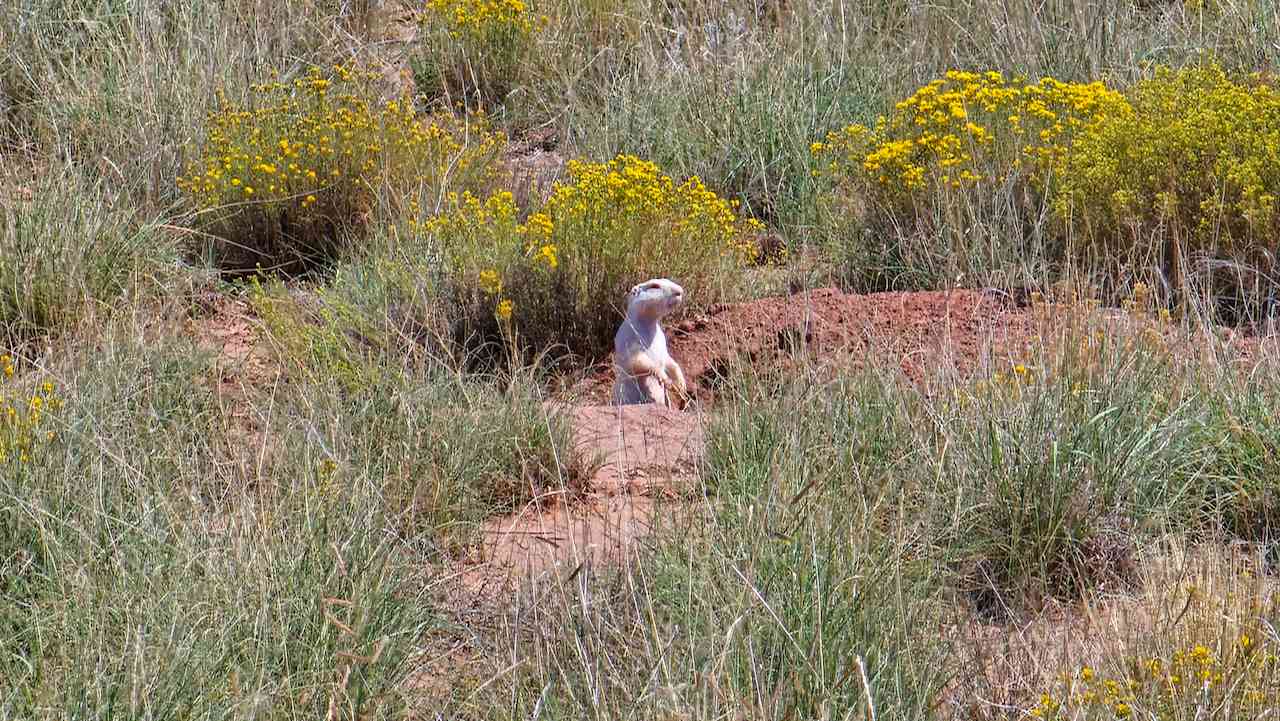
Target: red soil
(911, 330)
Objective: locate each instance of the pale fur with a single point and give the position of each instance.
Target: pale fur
(646, 372)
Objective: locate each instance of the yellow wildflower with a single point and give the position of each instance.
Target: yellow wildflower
(548, 253)
(490, 282)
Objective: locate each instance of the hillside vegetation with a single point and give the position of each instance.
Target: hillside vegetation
(294, 297)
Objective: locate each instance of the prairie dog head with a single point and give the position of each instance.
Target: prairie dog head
(654, 299)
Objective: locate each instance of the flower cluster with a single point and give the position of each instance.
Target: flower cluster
(23, 421)
(629, 198)
(967, 128)
(478, 18)
(1241, 676)
(476, 48)
(608, 226)
(1187, 161)
(476, 239)
(306, 155)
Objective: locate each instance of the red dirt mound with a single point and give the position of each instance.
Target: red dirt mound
(919, 329)
(915, 332)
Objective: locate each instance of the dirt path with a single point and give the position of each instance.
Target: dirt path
(649, 458)
(243, 366)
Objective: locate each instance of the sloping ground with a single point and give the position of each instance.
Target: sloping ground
(648, 456)
(918, 333)
(650, 453)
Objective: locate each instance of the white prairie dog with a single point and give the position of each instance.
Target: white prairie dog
(646, 373)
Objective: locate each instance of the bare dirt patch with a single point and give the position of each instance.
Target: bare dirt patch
(648, 458)
(911, 330)
(644, 449)
(226, 328)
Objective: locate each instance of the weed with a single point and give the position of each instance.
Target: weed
(1236, 673)
(68, 248)
(449, 450)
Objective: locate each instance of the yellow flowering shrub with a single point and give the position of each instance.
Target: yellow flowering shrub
(1196, 162)
(292, 176)
(559, 276)
(1186, 162)
(475, 48)
(480, 18)
(1244, 677)
(966, 130)
(950, 179)
(24, 427)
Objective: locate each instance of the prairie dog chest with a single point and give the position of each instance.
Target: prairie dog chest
(640, 337)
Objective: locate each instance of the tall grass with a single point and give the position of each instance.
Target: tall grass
(161, 558)
(375, 394)
(68, 246)
(144, 579)
(788, 594)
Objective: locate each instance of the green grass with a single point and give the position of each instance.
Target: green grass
(145, 577)
(161, 559)
(369, 400)
(72, 247)
(783, 594)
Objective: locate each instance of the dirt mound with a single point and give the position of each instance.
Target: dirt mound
(916, 332)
